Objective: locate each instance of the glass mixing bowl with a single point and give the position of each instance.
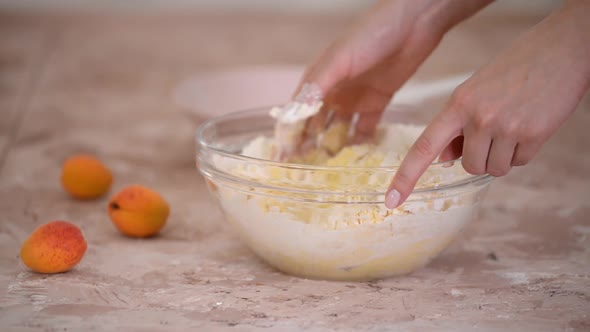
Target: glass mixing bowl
(331, 222)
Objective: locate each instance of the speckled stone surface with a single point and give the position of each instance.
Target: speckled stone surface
(103, 85)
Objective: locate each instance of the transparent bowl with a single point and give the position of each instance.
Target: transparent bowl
(331, 222)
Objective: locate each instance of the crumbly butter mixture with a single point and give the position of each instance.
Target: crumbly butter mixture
(299, 218)
(391, 145)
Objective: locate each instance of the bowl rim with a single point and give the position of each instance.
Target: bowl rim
(472, 182)
(211, 122)
(204, 145)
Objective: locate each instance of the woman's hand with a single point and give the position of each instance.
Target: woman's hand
(360, 72)
(503, 114)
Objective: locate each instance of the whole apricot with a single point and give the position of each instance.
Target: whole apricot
(85, 177)
(138, 211)
(54, 247)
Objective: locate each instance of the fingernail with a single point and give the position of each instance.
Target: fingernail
(392, 199)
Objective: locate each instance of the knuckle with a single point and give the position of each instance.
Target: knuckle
(484, 118)
(531, 134)
(423, 146)
(471, 168)
(520, 161)
(511, 128)
(498, 171)
(469, 103)
(525, 153)
(462, 98)
(452, 118)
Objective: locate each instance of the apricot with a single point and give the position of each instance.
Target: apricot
(85, 177)
(54, 247)
(138, 211)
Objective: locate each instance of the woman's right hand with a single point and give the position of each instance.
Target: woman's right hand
(504, 113)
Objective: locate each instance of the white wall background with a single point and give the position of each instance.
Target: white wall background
(300, 6)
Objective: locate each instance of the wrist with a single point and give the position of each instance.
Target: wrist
(441, 16)
(573, 18)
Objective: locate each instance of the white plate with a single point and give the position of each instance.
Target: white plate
(216, 93)
(220, 92)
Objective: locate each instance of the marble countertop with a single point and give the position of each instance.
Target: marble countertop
(102, 84)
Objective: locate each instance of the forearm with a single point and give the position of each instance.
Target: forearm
(573, 16)
(389, 21)
(442, 15)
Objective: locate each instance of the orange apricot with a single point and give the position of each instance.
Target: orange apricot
(85, 177)
(54, 247)
(138, 211)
